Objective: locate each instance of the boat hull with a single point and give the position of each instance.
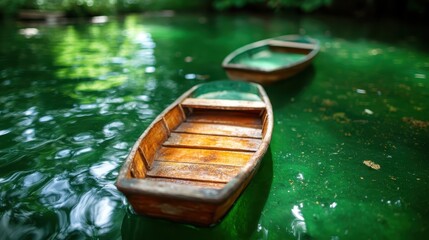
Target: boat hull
(263, 77)
(282, 45)
(196, 212)
(196, 158)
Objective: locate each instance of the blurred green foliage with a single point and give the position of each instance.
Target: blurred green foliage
(98, 7)
(9, 7)
(419, 8)
(305, 5)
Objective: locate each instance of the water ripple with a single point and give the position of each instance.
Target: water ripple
(121, 146)
(92, 214)
(64, 153)
(46, 118)
(112, 129)
(32, 179)
(102, 169)
(57, 193)
(81, 137)
(82, 151)
(4, 132)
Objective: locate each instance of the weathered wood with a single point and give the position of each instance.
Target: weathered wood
(232, 118)
(174, 117)
(219, 129)
(264, 124)
(178, 210)
(223, 104)
(195, 155)
(189, 171)
(291, 44)
(204, 184)
(284, 49)
(138, 169)
(153, 139)
(141, 154)
(195, 159)
(212, 142)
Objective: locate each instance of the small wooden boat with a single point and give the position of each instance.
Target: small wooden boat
(197, 156)
(271, 59)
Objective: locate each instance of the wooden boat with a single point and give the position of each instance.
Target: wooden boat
(271, 59)
(199, 154)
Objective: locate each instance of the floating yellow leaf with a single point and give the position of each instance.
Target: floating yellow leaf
(371, 164)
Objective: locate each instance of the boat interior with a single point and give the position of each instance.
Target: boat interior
(201, 142)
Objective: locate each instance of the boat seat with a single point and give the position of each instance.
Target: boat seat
(223, 104)
(278, 43)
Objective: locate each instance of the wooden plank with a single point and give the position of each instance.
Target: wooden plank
(223, 104)
(189, 171)
(190, 155)
(174, 117)
(188, 182)
(282, 49)
(226, 117)
(142, 155)
(291, 44)
(212, 142)
(265, 124)
(152, 140)
(219, 129)
(138, 168)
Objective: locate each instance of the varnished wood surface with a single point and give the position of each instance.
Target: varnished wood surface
(155, 137)
(212, 142)
(219, 129)
(174, 118)
(197, 155)
(194, 171)
(223, 104)
(196, 183)
(192, 150)
(244, 119)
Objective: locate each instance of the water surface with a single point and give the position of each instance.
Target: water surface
(74, 97)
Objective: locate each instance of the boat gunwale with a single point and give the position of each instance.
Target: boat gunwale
(267, 42)
(187, 192)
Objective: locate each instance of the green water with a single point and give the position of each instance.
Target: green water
(74, 97)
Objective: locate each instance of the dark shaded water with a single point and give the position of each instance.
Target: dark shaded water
(75, 97)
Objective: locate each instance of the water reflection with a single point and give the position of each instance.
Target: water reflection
(92, 215)
(262, 232)
(102, 169)
(57, 193)
(29, 32)
(46, 118)
(112, 129)
(4, 132)
(64, 153)
(32, 179)
(99, 19)
(298, 225)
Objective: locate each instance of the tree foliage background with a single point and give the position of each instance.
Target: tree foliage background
(418, 8)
